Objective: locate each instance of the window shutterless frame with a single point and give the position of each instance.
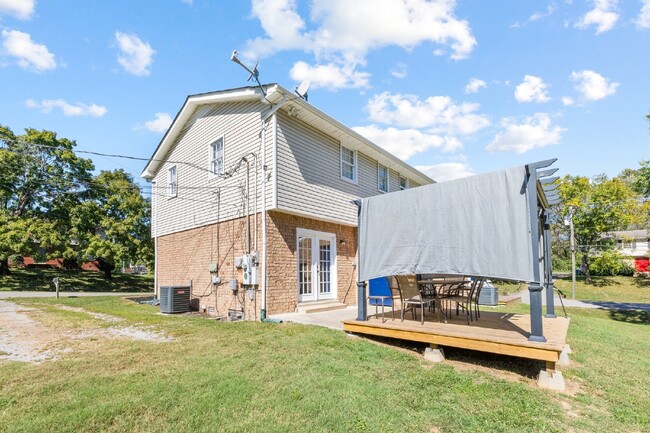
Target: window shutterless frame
(172, 182)
(349, 164)
(382, 178)
(216, 160)
(403, 183)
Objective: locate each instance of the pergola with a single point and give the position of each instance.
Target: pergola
(494, 225)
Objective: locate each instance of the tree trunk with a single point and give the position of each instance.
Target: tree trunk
(4, 266)
(106, 268)
(585, 269)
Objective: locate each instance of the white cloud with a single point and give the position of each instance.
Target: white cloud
(592, 85)
(532, 89)
(161, 123)
(28, 53)
(603, 16)
(439, 114)
(399, 71)
(550, 10)
(135, 55)
(447, 171)
(330, 76)
(21, 9)
(474, 85)
(404, 143)
(567, 101)
(535, 131)
(78, 109)
(334, 32)
(643, 20)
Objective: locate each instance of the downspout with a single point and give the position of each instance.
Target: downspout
(154, 212)
(264, 279)
(362, 305)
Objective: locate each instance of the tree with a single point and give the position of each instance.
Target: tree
(41, 181)
(598, 206)
(115, 226)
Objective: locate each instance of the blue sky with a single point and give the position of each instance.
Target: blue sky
(453, 87)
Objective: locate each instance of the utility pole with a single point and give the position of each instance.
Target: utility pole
(573, 255)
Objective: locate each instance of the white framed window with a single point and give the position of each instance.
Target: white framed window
(215, 157)
(348, 164)
(382, 178)
(172, 182)
(403, 183)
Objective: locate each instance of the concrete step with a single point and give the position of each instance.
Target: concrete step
(319, 306)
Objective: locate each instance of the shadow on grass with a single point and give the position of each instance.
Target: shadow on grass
(642, 283)
(73, 281)
(504, 364)
(640, 317)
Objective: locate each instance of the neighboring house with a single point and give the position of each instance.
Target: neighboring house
(633, 243)
(258, 189)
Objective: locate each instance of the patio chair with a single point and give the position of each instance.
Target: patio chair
(380, 293)
(411, 295)
(467, 300)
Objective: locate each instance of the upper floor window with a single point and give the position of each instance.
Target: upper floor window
(216, 157)
(348, 164)
(172, 182)
(403, 183)
(382, 178)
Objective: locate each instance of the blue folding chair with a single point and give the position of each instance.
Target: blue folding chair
(379, 293)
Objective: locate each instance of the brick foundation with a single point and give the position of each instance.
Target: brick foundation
(186, 256)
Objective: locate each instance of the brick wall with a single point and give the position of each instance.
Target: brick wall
(282, 260)
(187, 255)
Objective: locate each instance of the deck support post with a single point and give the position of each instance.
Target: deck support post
(551, 378)
(434, 353)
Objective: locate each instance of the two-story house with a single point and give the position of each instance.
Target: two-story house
(252, 201)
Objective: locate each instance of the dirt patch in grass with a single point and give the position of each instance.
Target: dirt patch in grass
(26, 337)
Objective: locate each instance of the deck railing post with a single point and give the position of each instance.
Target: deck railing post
(362, 304)
(536, 326)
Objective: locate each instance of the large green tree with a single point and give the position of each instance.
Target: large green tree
(41, 181)
(598, 206)
(115, 226)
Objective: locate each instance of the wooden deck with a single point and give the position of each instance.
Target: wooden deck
(502, 333)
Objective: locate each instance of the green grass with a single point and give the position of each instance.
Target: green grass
(258, 377)
(74, 281)
(606, 289)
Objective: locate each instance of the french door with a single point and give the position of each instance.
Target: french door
(316, 252)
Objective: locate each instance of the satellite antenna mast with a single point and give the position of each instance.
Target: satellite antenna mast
(303, 88)
(254, 73)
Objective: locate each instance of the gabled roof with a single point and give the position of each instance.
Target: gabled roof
(628, 234)
(294, 106)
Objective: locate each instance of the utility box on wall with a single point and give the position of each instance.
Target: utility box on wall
(249, 270)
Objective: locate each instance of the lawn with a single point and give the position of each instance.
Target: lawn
(605, 289)
(74, 281)
(260, 377)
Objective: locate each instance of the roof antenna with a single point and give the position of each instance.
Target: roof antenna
(303, 88)
(254, 73)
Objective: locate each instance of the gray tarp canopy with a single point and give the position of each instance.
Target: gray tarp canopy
(491, 225)
(478, 225)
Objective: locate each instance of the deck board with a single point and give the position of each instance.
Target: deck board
(502, 333)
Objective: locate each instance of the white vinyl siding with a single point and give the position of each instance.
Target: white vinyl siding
(216, 158)
(308, 174)
(382, 178)
(348, 164)
(172, 182)
(199, 201)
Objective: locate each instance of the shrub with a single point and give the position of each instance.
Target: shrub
(610, 263)
(16, 261)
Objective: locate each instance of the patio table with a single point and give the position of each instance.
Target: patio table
(440, 288)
